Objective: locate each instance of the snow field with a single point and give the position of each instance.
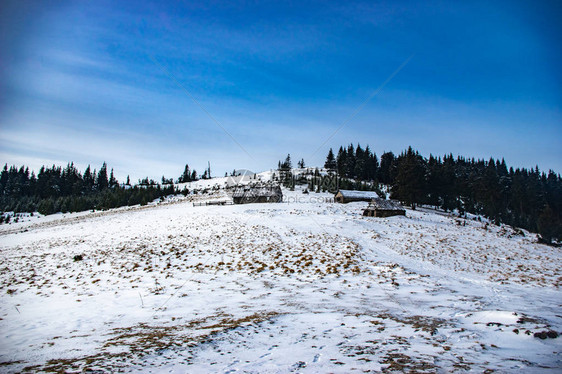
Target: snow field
(303, 287)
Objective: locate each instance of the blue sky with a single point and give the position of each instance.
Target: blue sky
(83, 82)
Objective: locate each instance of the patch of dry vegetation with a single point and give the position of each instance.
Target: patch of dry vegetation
(223, 247)
(503, 254)
(128, 345)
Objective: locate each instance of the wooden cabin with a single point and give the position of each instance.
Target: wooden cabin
(257, 194)
(348, 196)
(384, 208)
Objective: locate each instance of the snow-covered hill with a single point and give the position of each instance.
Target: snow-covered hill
(302, 286)
(244, 177)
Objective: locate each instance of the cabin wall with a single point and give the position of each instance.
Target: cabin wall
(352, 200)
(383, 213)
(259, 199)
(389, 213)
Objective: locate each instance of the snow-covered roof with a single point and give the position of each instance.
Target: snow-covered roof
(257, 191)
(351, 194)
(382, 204)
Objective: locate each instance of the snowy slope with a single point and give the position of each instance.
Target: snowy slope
(304, 286)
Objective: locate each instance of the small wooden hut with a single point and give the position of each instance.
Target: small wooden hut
(384, 208)
(348, 196)
(257, 194)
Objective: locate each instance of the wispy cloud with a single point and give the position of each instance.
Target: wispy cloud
(279, 78)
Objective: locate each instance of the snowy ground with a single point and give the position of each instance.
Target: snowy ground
(292, 287)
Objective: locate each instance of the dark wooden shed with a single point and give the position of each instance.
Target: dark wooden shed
(257, 194)
(384, 208)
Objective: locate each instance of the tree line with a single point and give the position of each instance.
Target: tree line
(56, 189)
(322, 183)
(526, 198)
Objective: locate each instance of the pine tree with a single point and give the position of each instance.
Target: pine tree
(287, 164)
(548, 225)
(112, 181)
(341, 161)
(101, 181)
(385, 170)
(4, 177)
(349, 167)
(186, 176)
(360, 164)
(330, 160)
(488, 191)
(371, 165)
(88, 179)
(409, 185)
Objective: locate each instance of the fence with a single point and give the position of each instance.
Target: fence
(213, 202)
